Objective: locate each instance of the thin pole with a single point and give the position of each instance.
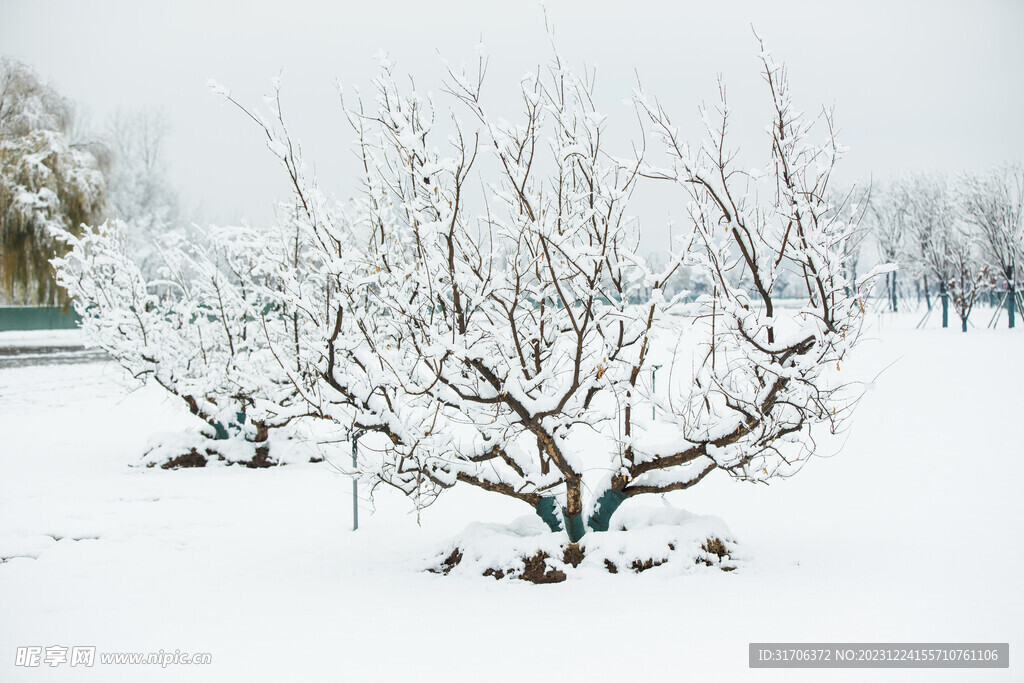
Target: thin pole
(654, 385)
(355, 479)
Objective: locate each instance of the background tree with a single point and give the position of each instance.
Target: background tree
(139, 192)
(46, 183)
(931, 217)
(887, 218)
(994, 205)
(855, 202)
(970, 276)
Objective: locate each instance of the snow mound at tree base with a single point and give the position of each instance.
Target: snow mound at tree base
(176, 450)
(666, 541)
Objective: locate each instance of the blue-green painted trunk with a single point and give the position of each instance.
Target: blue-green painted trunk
(1011, 307)
(574, 526)
(547, 510)
(606, 506)
(221, 432)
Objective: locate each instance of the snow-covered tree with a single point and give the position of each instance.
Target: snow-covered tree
(944, 244)
(853, 205)
(994, 205)
(970, 276)
(931, 217)
(46, 183)
(887, 218)
(499, 334)
(210, 331)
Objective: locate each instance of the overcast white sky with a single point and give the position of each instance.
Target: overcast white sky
(916, 85)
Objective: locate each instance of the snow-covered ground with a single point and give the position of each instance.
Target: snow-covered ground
(913, 532)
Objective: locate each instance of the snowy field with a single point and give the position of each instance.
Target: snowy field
(912, 532)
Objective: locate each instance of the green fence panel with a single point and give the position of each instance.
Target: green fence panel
(27, 318)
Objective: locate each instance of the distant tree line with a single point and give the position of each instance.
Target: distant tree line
(958, 241)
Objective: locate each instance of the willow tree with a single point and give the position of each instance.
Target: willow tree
(46, 183)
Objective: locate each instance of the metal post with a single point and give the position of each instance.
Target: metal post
(654, 385)
(355, 478)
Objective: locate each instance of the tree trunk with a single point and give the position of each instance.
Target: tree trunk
(547, 510)
(573, 511)
(927, 295)
(894, 307)
(945, 305)
(221, 432)
(262, 431)
(1011, 305)
(261, 458)
(606, 506)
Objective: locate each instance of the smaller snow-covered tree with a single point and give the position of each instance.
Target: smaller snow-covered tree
(209, 331)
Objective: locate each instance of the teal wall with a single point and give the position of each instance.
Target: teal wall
(37, 318)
